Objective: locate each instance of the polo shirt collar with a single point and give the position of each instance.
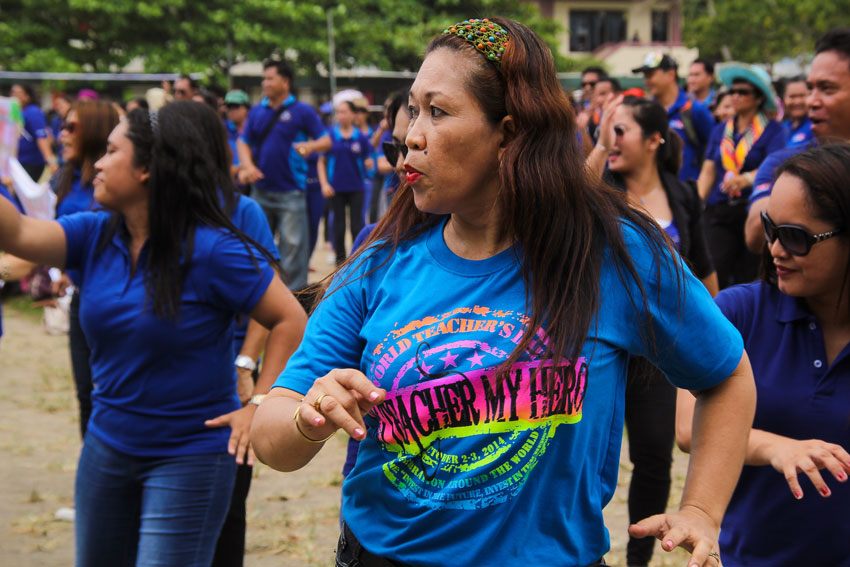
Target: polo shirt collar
(290, 99)
(790, 309)
(681, 101)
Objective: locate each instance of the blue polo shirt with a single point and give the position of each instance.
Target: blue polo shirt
(4, 193)
(35, 127)
(801, 135)
(771, 140)
(766, 174)
(157, 381)
(692, 151)
(799, 396)
(282, 167)
(346, 168)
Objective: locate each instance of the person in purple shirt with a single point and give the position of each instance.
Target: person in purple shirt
(34, 151)
(790, 506)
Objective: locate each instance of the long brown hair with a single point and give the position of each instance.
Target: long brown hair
(95, 120)
(561, 220)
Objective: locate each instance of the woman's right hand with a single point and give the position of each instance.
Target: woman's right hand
(344, 396)
(791, 456)
(327, 191)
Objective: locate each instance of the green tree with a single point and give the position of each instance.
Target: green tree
(759, 32)
(188, 35)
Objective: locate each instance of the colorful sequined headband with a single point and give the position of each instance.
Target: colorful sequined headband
(488, 37)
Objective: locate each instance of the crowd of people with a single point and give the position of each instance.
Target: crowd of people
(541, 270)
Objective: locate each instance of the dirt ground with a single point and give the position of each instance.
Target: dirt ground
(292, 518)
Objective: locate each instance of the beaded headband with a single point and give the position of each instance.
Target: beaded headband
(153, 117)
(488, 37)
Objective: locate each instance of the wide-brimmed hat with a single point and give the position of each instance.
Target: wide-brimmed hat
(756, 76)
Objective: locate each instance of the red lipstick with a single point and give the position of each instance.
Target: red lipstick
(413, 174)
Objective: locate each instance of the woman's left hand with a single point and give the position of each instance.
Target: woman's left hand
(689, 528)
(735, 184)
(240, 429)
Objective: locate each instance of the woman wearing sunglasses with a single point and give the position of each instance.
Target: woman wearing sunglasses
(644, 161)
(82, 141)
(735, 150)
(796, 329)
(478, 343)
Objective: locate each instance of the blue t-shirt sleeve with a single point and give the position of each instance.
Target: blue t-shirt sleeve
(712, 152)
(691, 342)
(231, 274)
(312, 124)
(248, 133)
(81, 233)
(250, 219)
(332, 338)
(36, 123)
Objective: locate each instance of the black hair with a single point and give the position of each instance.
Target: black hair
(141, 101)
(791, 80)
(615, 84)
(823, 172)
(652, 118)
(183, 193)
(193, 83)
(758, 92)
(707, 64)
(28, 89)
(350, 106)
(210, 99)
(397, 99)
(837, 39)
(600, 72)
(284, 69)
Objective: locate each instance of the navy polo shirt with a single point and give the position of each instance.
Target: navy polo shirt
(766, 174)
(157, 381)
(346, 167)
(799, 396)
(802, 135)
(282, 167)
(692, 154)
(772, 139)
(5, 194)
(35, 127)
(251, 220)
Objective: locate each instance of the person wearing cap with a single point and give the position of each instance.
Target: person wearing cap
(736, 149)
(689, 119)
(238, 103)
(829, 112)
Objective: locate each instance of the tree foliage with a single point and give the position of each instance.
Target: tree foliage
(194, 36)
(762, 31)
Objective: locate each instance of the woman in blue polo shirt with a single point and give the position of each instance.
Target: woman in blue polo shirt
(735, 151)
(82, 141)
(790, 506)
(342, 175)
(34, 151)
(163, 276)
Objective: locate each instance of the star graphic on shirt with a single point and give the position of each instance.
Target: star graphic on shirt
(425, 368)
(476, 359)
(449, 359)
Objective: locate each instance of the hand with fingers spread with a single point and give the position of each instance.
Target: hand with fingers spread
(338, 400)
(606, 126)
(689, 528)
(791, 457)
(240, 429)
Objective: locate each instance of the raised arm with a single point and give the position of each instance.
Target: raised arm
(39, 241)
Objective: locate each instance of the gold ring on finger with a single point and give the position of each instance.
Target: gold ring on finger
(318, 404)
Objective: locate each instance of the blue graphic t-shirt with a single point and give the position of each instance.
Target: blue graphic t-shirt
(801, 135)
(488, 468)
(346, 167)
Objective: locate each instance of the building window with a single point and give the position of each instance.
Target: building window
(590, 29)
(660, 26)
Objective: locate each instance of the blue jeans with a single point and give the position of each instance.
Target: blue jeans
(149, 511)
(287, 215)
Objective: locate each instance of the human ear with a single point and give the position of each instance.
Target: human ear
(507, 129)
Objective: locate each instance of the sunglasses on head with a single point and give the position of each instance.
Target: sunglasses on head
(69, 127)
(796, 240)
(742, 92)
(392, 151)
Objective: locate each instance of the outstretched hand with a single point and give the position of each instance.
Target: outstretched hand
(240, 429)
(689, 528)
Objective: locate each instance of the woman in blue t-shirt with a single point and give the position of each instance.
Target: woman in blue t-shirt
(478, 343)
(34, 151)
(342, 175)
(790, 505)
(82, 141)
(163, 276)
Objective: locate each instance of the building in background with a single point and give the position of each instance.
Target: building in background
(620, 32)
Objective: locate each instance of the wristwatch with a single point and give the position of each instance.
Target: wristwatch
(246, 362)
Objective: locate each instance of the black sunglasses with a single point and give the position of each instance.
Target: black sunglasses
(232, 106)
(392, 151)
(588, 84)
(742, 92)
(794, 239)
(69, 127)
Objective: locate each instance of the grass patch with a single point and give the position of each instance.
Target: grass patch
(24, 305)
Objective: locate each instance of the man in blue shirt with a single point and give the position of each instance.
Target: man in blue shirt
(829, 113)
(700, 78)
(689, 119)
(279, 134)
